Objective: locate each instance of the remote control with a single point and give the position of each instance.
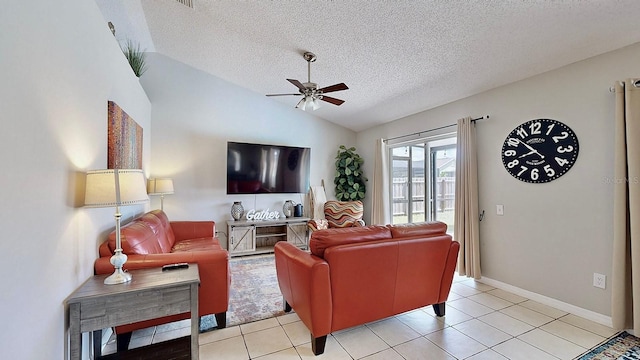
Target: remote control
(175, 266)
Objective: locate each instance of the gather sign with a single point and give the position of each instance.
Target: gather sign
(262, 215)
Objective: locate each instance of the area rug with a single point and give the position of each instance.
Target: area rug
(254, 294)
(623, 346)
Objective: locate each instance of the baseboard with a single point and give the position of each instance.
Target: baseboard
(575, 310)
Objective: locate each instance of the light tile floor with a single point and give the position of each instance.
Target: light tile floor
(481, 323)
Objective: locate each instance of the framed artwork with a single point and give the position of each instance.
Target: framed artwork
(124, 142)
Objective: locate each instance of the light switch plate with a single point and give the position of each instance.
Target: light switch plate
(500, 210)
(599, 280)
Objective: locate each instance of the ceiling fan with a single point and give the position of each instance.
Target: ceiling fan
(310, 92)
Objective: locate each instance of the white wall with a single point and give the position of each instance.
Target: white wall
(195, 114)
(59, 67)
(553, 236)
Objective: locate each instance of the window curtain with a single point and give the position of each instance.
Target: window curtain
(625, 287)
(466, 221)
(380, 197)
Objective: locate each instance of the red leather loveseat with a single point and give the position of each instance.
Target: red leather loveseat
(361, 274)
(153, 241)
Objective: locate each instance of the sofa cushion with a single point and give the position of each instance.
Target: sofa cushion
(166, 225)
(323, 239)
(155, 224)
(137, 237)
(200, 244)
(418, 229)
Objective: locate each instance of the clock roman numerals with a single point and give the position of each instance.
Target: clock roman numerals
(540, 150)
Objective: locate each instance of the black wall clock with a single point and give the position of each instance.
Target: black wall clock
(540, 150)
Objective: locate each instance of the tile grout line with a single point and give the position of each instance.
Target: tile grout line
(511, 336)
(471, 317)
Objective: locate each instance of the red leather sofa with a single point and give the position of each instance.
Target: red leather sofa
(153, 241)
(361, 274)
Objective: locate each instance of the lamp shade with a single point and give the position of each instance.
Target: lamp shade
(160, 186)
(115, 187)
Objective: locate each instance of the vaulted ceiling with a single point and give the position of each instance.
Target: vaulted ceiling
(397, 57)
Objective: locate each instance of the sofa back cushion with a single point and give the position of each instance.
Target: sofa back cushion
(429, 228)
(136, 237)
(149, 234)
(161, 226)
(323, 239)
(342, 214)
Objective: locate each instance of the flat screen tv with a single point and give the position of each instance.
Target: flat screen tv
(264, 169)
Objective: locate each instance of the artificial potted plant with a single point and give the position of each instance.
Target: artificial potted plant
(135, 56)
(350, 179)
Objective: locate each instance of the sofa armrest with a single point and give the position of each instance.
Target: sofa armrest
(184, 230)
(450, 268)
(305, 285)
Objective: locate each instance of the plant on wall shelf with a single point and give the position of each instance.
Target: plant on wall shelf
(349, 180)
(135, 56)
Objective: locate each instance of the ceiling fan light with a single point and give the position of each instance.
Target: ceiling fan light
(308, 102)
(315, 104)
(302, 103)
(309, 90)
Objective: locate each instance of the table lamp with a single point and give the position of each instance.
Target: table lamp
(115, 187)
(160, 187)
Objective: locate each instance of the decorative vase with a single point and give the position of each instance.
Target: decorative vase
(237, 210)
(287, 208)
(297, 210)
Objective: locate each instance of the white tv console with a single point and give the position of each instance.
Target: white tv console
(260, 236)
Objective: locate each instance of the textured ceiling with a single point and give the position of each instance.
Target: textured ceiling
(397, 57)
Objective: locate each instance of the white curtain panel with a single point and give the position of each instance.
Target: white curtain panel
(380, 207)
(625, 298)
(466, 221)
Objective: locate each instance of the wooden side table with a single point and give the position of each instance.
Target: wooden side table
(152, 293)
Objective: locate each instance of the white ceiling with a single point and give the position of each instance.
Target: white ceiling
(397, 57)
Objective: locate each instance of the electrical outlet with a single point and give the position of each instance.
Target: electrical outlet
(599, 280)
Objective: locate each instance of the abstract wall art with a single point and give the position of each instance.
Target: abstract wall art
(124, 140)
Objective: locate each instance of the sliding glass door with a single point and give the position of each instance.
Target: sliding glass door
(443, 184)
(422, 179)
(408, 187)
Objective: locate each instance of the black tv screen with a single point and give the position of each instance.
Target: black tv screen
(261, 168)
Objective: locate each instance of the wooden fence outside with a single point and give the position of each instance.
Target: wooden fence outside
(444, 199)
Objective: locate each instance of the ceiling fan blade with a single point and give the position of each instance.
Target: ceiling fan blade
(334, 101)
(297, 84)
(336, 87)
(284, 94)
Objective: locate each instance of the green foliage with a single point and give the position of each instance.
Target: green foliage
(350, 179)
(136, 57)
